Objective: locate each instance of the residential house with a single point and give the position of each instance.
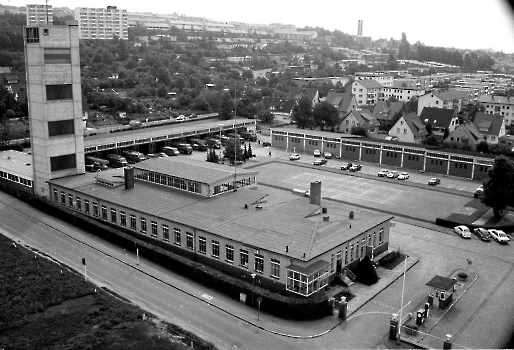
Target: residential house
(440, 119)
(385, 111)
(282, 109)
(502, 105)
(507, 140)
(403, 94)
(359, 117)
(344, 102)
(298, 92)
(465, 133)
(409, 128)
(367, 92)
(491, 126)
(450, 99)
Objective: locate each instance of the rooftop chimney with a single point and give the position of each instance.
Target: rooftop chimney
(129, 178)
(315, 193)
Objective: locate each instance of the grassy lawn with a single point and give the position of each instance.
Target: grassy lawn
(46, 306)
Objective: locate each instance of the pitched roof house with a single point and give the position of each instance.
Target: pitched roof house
(409, 128)
(298, 92)
(450, 99)
(279, 107)
(359, 117)
(465, 133)
(491, 126)
(385, 111)
(439, 119)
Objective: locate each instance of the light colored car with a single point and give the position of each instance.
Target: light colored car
(392, 174)
(499, 236)
(294, 156)
(434, 181)
(327, 155)
(462, 231)
(479, 191)
(403, 176)
(180, 118)
(382, 173)
(317, 153)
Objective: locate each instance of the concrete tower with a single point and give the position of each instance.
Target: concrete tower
(52, 63)
(359, 28)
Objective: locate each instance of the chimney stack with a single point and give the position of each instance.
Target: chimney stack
(129, 178)
(315, 193)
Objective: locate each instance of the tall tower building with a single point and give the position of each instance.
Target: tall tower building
(52, 64)
(359, 28)
(102, 23)
(39, 14)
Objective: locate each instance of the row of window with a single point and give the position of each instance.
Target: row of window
(168, 180)
(84, 205)
(15, 178)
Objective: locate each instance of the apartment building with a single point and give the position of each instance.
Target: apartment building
(382, 78)
(367, 92)
(98, 23)
(502, 105)
(39, 14)
(401, 93)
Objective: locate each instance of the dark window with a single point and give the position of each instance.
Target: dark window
(59, 92)
(32, 35)
(57, 56)
(67, 161)
(61, 127)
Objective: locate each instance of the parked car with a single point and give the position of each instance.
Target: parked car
(462, 231)
(392, 174)
(382, 173)
(355, 167)
(317, 153)
(346, 166)
(266, 144)
(294, 156)
(320, 161)
(499, 236)
(156, 155)
(479, 191)
(327, 155)
(434, 181)
(403, 176)
(482, 234)
(180, 118)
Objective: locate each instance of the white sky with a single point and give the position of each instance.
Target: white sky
(464, 24)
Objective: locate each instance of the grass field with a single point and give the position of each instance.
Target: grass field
(44, 305)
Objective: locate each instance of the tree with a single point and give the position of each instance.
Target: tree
(226, 107)
(250, 152)
(499, 186)
(325, 115)
(212, 156)
(482, 147)
(265, 116)
(446, 133)
(302, 113)
(429, 128)
(233, 150)
(431, 139)
(359, 130)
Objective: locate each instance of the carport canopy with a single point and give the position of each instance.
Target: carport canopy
(441, 283)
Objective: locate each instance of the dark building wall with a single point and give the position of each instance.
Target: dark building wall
(350, 152)
(413, 161)
(438, 166)
(460, 169)
(371, 155)
(392, 158)
(481, 172)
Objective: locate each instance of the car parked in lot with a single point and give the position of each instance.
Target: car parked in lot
(317, 153)
(382, 173)
(482, 234)
(499, 236)
(355, 167)
(294, 156)
(180, 118)
(403, 176)
(392, 174)
(462, 231)
(434, 181)
(327, 155)
(479, 191)
(320, 161)
(346, 166)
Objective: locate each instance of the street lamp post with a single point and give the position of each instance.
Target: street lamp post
(253, 279)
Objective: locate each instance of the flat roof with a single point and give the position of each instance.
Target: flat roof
(282, 219)
(442, 283)
(191, 169)
(190, 128)
(17, 163)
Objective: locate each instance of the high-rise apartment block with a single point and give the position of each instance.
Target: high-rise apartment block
(102, 23)
(39, 14)
(52, 63)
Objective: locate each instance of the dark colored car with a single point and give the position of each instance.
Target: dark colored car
(320, 161)
(266, 144)
(346, 166)
(482, 234)
(434, 181)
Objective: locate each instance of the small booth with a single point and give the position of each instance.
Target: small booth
(441, 291)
